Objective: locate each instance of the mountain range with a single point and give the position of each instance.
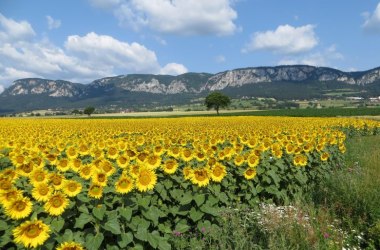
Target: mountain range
(133, 90)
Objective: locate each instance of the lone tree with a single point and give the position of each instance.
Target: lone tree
(217, 100)
(89, 110)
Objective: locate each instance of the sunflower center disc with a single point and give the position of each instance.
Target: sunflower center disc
(33, 231)
(20, 206)
(145, 179)
(56, 202)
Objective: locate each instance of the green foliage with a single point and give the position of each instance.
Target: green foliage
(217, 100)
(89, 110)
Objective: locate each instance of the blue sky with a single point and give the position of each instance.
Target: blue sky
(82, 40)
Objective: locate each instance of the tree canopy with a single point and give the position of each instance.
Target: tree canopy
(217, 100)
(89, 110)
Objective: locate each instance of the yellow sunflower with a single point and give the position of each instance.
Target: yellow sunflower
(200, 177)
(134, 170)
(218, 172)
(250, 173)
(5, 185)
(31, 233)
(187, 172)
(158, 150)
(122, 161)
(9, 196)
(86, 171)
(75, 164)
(56, 204)
(253, 160)
(38, 175)
(57, 181)
(324, 156)
(42, 192)
(72, 188)
(170, 166)
(153, 161)
(95, 191)
(124, 185)
(107, 167)
(187, 154)
(9, 174)
(239, 160)
(277, 153)
(70, 246)
(146, 179)
(19, 208)
(25, 169)
(99, 178)
(112, 153)
(63, 165)
(72, 152)
(200, 156)
(300, 160)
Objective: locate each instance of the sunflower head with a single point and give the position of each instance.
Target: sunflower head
(200, 177)
(170, 166)
(56, 204)
(42, 191)
(86, 171)
(38, 175)
(19, 208)
(253, 160)
(146, 179)
(95, 191)
(324, 156)
(218, 172)
(250, 173)
(6, 198)
(72, 188)
(70, 246)
(187, 172)
(31, 233)
(124, 185)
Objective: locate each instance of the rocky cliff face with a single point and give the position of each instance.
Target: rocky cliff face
(239, 77)
(190, 82)
(35, 86)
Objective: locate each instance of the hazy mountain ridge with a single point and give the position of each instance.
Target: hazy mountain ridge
(120, 89)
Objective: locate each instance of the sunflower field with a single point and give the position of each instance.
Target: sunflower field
(133, 183)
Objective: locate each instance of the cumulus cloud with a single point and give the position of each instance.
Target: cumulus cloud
(173, 69)
(11, 31)
(82, 59)
(286, 39)
(181, 17)
(108, 52)
(372, 21)
(53, 23)
(321, 58)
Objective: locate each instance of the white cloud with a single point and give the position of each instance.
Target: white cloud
(53, 23)
(181, 17)
(173, 69)
(11, 30)
(324, 58)
(220, 59)
(372, 22)
(82, 59)
(1, 88)
(104, 4)
(286, 39)
(109, 53)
